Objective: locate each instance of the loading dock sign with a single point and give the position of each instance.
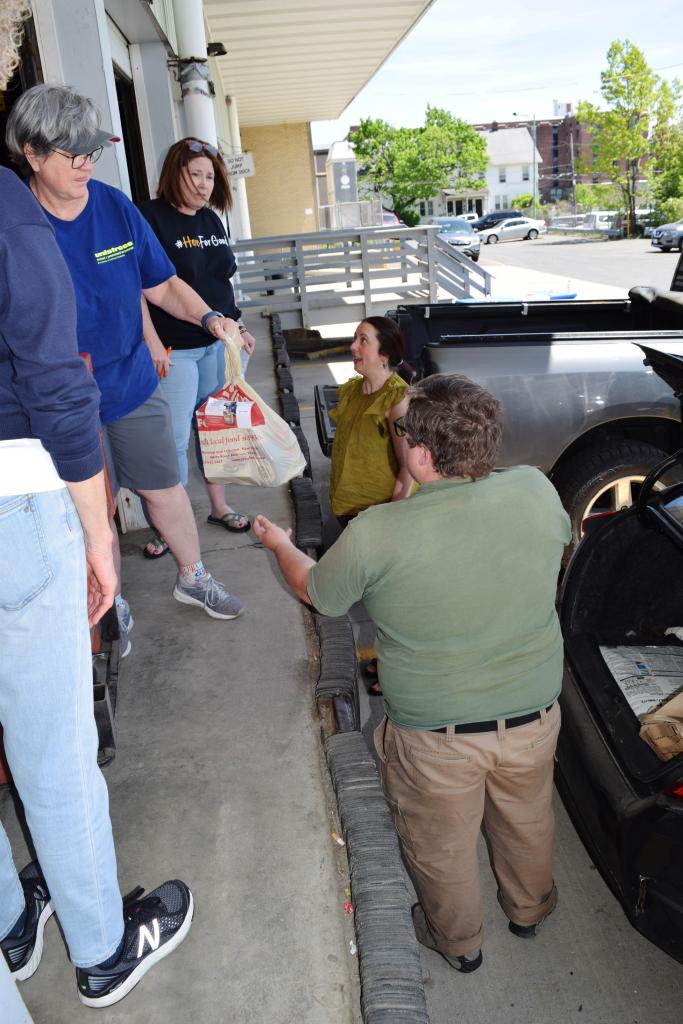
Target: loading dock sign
(240, 165)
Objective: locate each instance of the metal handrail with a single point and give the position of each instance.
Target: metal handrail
(362, 268)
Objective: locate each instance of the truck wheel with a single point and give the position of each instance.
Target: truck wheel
(606, 479)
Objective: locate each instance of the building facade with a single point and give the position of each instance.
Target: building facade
(250, 77)
(562, 144)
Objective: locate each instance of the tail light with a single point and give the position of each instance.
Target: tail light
(676, 791)
(591, 522)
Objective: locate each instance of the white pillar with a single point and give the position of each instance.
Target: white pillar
(240, 212)
(193, 70)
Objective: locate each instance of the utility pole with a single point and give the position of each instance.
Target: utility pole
(571, 159)
(533, 136)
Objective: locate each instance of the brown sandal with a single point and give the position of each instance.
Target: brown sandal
(370, 669)
(155, 542)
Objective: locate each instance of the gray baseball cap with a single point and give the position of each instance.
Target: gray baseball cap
(90, 139)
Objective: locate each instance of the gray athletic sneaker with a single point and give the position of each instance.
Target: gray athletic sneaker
(126, 623)
(210, 595)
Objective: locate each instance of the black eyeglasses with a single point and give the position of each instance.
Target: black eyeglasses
(402, 431)
(79, 160)
(197, 147)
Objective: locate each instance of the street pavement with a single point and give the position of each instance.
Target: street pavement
(595, 266)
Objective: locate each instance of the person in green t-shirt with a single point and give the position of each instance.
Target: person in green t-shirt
(460, 581)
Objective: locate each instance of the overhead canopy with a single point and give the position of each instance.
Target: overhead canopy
(303, 60)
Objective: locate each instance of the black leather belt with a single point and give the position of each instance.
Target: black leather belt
(510, 723)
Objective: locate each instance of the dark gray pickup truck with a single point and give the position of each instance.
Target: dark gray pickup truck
(578, 400)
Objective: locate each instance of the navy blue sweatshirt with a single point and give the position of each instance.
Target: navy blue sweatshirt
(46, 391)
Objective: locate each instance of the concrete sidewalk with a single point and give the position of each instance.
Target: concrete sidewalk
(218, 780)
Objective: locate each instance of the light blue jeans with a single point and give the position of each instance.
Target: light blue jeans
(46, 710)
(196, 373)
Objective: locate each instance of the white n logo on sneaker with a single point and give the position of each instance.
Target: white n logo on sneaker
(153, 937)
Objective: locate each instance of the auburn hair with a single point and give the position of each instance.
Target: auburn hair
(176, 162)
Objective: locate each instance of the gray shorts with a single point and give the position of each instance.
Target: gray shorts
(140, 449)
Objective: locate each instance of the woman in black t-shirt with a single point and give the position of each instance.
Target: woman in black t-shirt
(193, 184)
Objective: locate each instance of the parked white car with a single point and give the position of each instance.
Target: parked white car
(513, 228)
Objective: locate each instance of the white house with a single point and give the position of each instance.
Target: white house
(511, 172)
(513, 167)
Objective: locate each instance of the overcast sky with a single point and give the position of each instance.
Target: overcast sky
(483, 61)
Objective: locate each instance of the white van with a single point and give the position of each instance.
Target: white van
(601, 220)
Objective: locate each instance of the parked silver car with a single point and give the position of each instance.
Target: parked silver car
(460, 234)
(668, 236)
(513, 228)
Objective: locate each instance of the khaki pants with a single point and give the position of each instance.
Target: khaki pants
(442, 788)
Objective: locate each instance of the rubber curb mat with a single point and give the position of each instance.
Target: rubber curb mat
(338, 670)
(308, 533)
(392, 991)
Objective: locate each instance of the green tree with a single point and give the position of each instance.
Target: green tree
(668, 155)
(670, 210)
(598, 197)
(412, 164)
(632, 128)
(523, 201)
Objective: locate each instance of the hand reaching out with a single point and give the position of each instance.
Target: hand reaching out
(270, 534)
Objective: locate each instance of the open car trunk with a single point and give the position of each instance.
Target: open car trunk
(623, 589)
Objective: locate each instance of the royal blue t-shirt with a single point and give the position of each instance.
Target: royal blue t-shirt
(112, 254)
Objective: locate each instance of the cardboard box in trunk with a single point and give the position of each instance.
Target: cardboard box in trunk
(663, 729)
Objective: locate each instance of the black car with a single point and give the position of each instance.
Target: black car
(489, 219)
(623, 589)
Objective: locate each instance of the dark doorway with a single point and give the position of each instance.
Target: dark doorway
(27, 74)
(132, 140)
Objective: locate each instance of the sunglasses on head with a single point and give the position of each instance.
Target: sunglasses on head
(198, 147)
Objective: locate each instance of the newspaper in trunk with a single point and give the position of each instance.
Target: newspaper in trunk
(651, 679)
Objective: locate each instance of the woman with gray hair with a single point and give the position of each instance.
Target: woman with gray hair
(114, 258)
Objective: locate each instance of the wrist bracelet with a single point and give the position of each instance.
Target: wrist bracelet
(242, 329)
(208, 316)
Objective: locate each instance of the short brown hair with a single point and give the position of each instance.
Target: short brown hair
(177, 160)
(458, 421)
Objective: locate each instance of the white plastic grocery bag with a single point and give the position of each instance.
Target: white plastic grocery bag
(242, 440)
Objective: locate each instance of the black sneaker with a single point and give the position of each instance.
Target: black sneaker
(530, 931)
(466, 964)
(23, 953)
(154, 926)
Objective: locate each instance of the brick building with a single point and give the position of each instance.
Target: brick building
(561, 141)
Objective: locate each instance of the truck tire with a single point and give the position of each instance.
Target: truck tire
(606, 477)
